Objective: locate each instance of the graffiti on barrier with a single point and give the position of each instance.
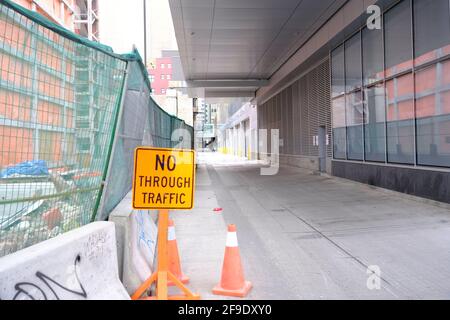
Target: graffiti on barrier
(46, 287)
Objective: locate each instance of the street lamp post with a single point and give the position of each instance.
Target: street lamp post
(145, 33)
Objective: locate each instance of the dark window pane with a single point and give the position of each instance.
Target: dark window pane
(353, 67)
(373, 68)
(354, 118)
(337, 76)
(398, 46)
(433, 115)
(339, 130)
(400, 119)
(431, 29)
(375, 122)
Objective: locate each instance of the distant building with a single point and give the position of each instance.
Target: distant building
(58, 11)
(79, 16)
(45, 123)
(169, 87)
(177, 69)
(160, 72)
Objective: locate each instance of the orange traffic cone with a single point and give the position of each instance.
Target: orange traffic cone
(232, 282)
(174, 258)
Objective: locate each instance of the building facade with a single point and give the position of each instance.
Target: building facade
(160, 72)
(58, 11)
(37, 100)
(169, 86)
(391, 107)
(86, 19)
(238, 134)
(371, 104)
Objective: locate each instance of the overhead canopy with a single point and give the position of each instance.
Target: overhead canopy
(232, 47)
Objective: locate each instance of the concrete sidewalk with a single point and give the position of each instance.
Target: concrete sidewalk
(304, 236)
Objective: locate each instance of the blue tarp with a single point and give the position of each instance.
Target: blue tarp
(30, 168)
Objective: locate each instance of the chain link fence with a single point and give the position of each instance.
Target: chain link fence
(71, 114)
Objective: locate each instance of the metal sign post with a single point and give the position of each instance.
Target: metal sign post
(163, 180)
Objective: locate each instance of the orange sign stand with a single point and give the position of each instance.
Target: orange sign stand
(162, 274)
(163, 180)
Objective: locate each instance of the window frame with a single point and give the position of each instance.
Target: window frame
(414, 69)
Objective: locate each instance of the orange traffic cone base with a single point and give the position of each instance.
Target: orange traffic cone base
(184, 280)
(174, 258)
(240, 293)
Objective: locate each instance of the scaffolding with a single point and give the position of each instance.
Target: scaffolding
(86, 19)
(68, 126)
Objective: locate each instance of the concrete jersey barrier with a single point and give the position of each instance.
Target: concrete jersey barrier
(78, 265)
(136, 243)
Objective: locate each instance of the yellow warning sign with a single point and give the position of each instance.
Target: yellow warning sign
(163, 179)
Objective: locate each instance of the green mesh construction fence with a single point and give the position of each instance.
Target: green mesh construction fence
(71, 114)
(142, 122)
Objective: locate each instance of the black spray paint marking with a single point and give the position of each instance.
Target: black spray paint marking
(48, 281)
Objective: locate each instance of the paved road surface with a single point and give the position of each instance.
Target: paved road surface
(305, 236)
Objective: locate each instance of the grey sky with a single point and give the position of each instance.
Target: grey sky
(121, 26)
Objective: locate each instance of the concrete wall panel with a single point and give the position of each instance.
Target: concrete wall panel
(136, 243)
(430, 184)
(78, 265)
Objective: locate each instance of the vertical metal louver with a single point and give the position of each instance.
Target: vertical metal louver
(304, 117)
(298, 111)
